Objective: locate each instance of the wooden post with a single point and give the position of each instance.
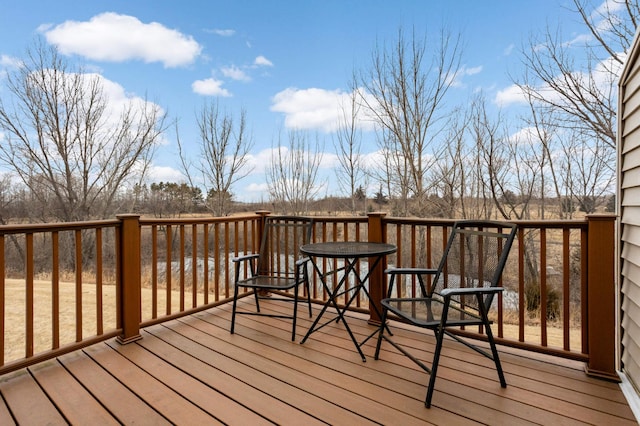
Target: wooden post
(260, 231)
(377, 283)
(263, 219)
(130, 281)
(601, 297)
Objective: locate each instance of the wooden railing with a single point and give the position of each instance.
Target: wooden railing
(560, 296)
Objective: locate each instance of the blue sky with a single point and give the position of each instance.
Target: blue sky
(281, 61)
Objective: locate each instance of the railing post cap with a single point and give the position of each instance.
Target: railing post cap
(374, 214)
(127, 216)
(601, 216)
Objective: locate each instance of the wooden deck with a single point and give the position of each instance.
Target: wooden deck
(193, 371)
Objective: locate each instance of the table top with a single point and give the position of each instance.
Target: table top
(348, 249)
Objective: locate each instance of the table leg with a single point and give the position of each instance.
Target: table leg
(332, 300)
(361, 286)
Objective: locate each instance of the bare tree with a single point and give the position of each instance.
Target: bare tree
(293, 171)
(575, 167)
(64, 143)
(571, 90)
(405, 90)
(348, 140)
(225, 144)
(450, 174)
(580, 84)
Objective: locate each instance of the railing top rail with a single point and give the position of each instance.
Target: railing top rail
(197, 220)
(419, 221)
(58, 226)
(547, 224)
(340, 219)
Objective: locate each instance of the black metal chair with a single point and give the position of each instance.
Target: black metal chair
(278, 267)
(459, 295)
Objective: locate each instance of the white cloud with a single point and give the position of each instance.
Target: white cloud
(165, 174)
(604, 75)
(510, 95)
(116, 38)
(119, 100)
(607, 6)
(509, 49)
(473, 70)
(235, 73)
(7, 61)
(259, 189)
(314, 109)
(526, 136)
(261, 61)
(579, 40)
(210, 87)
(223, 33)
(456, 79)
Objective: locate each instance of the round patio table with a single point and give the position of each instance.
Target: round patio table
(352, 252)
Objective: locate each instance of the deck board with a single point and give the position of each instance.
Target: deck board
(193, 371)
(121, 402)
(78, 406)
(28, 403)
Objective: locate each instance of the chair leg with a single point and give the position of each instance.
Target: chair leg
(257, 297)
(382, 327)
(308, 287)
(392, 279)
(434, 366)
(436, 354)
(295, 312)
(496, 359)
(492, 344)
(233, 310)
(422, 287)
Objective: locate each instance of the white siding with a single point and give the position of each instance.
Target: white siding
(629, 210)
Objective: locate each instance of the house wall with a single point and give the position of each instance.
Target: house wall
(629, 211)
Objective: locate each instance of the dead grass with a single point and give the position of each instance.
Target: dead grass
(15, 313)
(15, 304)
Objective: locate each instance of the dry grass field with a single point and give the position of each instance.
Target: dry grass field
(15, 313)
(15, 303)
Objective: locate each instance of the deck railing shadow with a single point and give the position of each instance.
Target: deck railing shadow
(69, 285)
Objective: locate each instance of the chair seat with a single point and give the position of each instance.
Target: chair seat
(427, 312)
(270, 282)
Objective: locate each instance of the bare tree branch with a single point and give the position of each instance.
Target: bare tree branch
(64, 142)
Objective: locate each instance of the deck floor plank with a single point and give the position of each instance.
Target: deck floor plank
(193, 371)
(247, 394)
(329, 384)
(78, 406)
(5, 415)
(300, 392)
(152, 391)
(27, 401)
(342, 360)
(121, 402)
(206, 397)
(477, 404)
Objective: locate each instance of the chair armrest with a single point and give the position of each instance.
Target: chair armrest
(448, 292)
(394, 270)
(302, 261)
(245, 257)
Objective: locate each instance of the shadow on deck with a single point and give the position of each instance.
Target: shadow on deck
(193, 371)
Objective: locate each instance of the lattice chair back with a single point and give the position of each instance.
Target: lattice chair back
(475, 256)
(280, 246)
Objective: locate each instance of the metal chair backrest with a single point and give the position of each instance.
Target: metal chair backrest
(475, 256)
(282, 237)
